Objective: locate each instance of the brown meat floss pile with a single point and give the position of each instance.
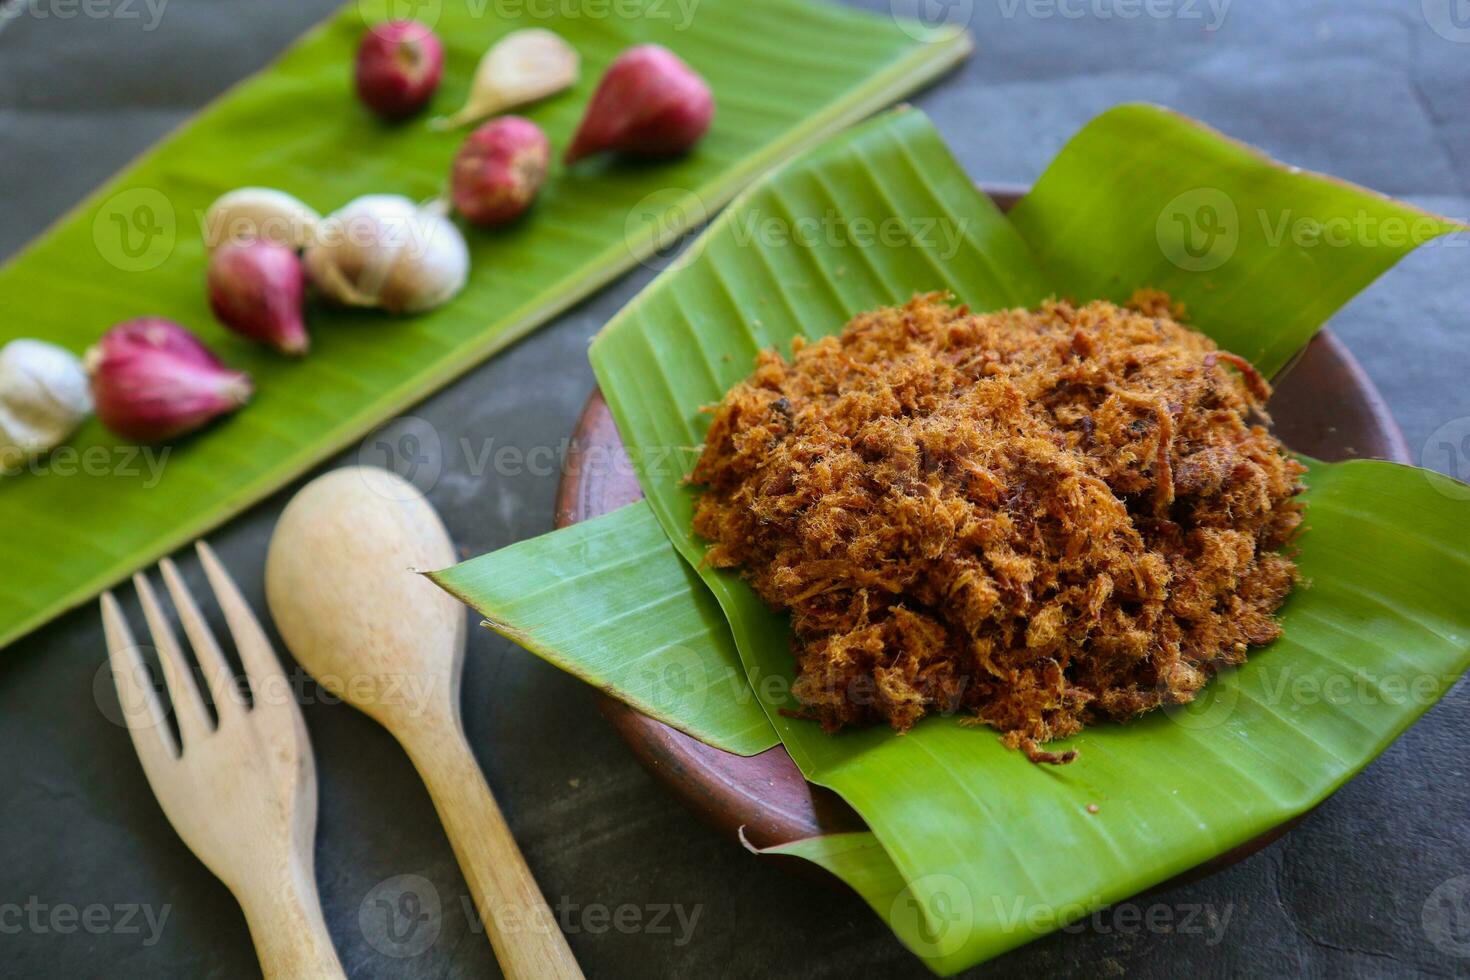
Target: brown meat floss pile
(1041, 518)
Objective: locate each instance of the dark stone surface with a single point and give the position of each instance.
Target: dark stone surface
(1364, 90)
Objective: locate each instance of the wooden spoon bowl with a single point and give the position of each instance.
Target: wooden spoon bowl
(1324, 405)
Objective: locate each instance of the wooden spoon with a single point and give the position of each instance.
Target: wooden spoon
(341, 579)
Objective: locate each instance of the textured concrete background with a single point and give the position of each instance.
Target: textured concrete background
(1370, 91)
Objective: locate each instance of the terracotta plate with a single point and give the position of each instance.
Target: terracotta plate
(1324, 406)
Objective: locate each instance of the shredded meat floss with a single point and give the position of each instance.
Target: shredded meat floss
(1040, 519)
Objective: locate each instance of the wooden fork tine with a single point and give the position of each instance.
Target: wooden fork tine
(243, 797)
(140, 708)
(188, 705)
(256, 653)
(217, 672)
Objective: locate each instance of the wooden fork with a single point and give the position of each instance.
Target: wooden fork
(242, 793)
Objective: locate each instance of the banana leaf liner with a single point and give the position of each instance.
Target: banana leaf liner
(971, 849)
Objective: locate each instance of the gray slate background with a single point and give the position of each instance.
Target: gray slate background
(1364, 90)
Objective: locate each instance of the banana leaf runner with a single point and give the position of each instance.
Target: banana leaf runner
(973, 850)
(784, 74)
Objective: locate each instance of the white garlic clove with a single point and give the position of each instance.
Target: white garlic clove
(251, 213)
(44, 396)
(428, 278)
(385, 251)
(524, 66)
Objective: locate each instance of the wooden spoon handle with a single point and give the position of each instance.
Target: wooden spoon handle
(291, 939)
(524, 933)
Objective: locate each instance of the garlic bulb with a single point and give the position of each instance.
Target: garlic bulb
(43, 398)
(385, 251)
(252, 213)
(524, 66)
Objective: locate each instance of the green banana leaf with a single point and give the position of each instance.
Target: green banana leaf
(1260, 254)
(660, 644)
(784, 73)
(973, 850)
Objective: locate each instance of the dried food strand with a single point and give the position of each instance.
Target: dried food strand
(1037, 754)
(1257, 385)
(1163, 468)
